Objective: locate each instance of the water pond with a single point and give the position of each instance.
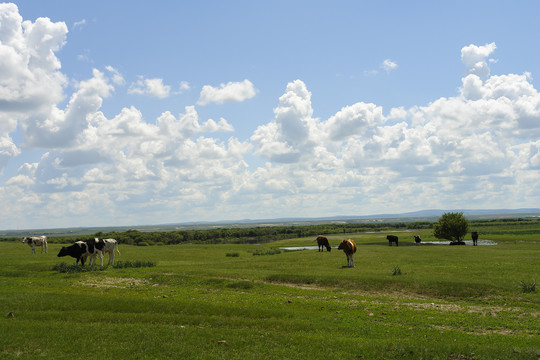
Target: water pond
(445, 242)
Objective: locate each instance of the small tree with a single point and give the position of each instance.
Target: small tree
(451, 226)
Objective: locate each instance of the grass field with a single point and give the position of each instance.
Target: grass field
(254, 302)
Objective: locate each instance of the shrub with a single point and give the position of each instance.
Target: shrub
(232, 254)
(451, 226)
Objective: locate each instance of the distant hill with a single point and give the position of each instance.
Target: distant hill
(422, 215)
(472, 213)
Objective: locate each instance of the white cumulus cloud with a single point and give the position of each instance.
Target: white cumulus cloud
(388, 65)
(152, 87)
(230, 92)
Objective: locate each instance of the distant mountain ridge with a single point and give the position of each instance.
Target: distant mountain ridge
(421, 215)
(413, 214)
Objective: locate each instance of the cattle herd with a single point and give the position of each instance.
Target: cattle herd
(349, 246)
(93, 248)
(81, 250)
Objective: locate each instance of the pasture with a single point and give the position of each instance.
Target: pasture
(243, 301)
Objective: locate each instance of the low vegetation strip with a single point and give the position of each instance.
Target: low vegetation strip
(65, 268)
(265, 234)
(195, 301)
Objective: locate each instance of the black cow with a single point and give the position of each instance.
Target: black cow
(474, 236)
(417, 239)
(82, 249)
(322, 241)
(391, 239)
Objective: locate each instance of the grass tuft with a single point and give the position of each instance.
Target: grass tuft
(267, 252)
(65, 268)
(133, 264)
(396, 270)
(528, 287)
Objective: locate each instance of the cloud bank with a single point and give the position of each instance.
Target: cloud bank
(477, 148)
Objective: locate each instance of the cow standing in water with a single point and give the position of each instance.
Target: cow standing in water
(391, 239)
(34, 241)
(349, 248)
(474, 236)
(322, 241)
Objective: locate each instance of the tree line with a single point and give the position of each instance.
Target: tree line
(255, 235)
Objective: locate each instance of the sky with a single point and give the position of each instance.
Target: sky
(119, 113)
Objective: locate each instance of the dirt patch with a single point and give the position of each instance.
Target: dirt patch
(113, 282)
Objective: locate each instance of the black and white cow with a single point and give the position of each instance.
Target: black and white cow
(322, 241)
(81, 250)
(34, 241)
(391, 239)
(109, 245)
(417, 239)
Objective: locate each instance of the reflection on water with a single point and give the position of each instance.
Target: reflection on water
(294, 248)
(467, 242)
(445, 242)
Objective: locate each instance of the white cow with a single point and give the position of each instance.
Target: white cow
(34, 241)
(110, 246)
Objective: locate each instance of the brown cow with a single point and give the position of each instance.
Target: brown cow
(349, 248)
(323, 241)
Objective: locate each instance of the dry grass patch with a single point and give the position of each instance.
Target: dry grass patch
(114, 282)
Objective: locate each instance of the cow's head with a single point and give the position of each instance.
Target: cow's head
(63, 252)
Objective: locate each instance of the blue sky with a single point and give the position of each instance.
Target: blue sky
(130, 112)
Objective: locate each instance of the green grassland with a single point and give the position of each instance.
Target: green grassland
(240, 301)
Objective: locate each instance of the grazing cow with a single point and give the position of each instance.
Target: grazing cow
(391, 239)
(474, 236)
(34, 241)
(416, 239)
(322, 241)
(81, 250)
(109, 245)
(349, 248)
(95, 247)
